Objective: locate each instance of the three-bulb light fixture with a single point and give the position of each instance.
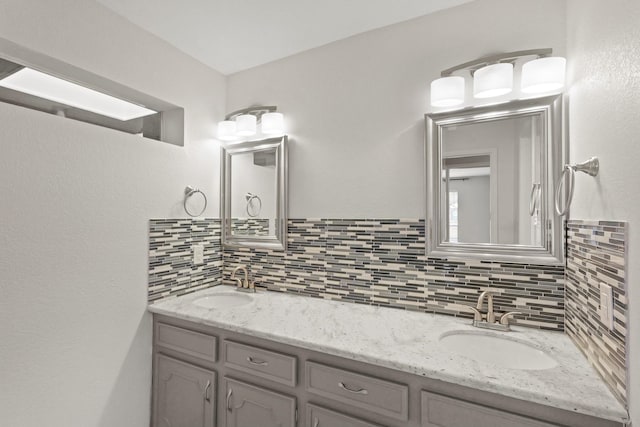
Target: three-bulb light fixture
(243, 124)
(493, 76)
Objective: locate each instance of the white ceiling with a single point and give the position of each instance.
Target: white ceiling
(233, 35)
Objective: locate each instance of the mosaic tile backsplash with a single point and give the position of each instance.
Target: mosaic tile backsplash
(171, 268)
(596, 254)
(366, 261)
(382, 262)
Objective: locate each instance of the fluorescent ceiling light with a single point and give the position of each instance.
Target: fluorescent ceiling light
(58, 90)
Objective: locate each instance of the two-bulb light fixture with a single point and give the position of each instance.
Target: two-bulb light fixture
(243, 124)
(493, 76)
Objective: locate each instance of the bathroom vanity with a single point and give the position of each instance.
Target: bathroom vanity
(281, 360)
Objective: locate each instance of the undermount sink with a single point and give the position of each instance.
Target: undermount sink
(224, 299)
(497, 350)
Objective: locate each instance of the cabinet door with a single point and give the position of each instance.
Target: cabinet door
(184, 394)
(251, 406)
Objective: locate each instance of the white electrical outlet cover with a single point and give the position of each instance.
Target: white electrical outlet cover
(606, 305)
(198, 254)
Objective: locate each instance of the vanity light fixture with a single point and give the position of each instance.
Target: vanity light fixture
(42, 85)
(272, 124)
(246, 125)
(447, 91)
(493, 80)
(493, 76)
(227, 130)
(543, 75)
(243, 123)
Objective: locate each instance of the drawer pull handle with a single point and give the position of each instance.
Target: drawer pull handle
(359, 391)
(258, 362)
(316, 422)
(229, 393)
(207, 388)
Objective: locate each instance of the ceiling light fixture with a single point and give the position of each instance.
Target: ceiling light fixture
(493, 76)
(42, 85)
(243, 123)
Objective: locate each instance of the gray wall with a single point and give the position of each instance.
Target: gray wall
(355, 108)
(75, 204)
(603, 40)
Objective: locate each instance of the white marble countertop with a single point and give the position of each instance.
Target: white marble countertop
(409, 342)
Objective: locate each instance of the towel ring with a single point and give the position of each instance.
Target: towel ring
(253, 212)
(590, 167)
(188, 192)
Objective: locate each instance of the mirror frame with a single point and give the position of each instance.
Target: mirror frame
(279, 240)
(554, 151)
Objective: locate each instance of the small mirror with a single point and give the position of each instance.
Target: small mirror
(254, 194)
(491, 172)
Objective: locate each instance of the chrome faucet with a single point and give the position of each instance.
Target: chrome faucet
(488, 320)
(243, 285)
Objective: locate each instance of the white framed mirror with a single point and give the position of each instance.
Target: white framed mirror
(491, 173)
(253, 205)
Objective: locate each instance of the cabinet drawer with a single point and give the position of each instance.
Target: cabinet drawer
(443, 411)
(193, 343)
(262, 363)
(361, 391)
(321, 417)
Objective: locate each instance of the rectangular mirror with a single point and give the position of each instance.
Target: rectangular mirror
(253, 204)
(491, 173)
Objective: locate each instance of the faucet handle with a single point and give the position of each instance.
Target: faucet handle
(252, 285)
(504, 319)
(477, 314)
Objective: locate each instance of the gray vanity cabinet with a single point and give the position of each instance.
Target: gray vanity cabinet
(252, 406)
(184, 395)
(264, 383)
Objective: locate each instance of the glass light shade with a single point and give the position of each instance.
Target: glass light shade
(246, 125)
(59, 90)
(227, 130)
(272, 123)
(447, 91)
(543, 75)
(493, 80)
